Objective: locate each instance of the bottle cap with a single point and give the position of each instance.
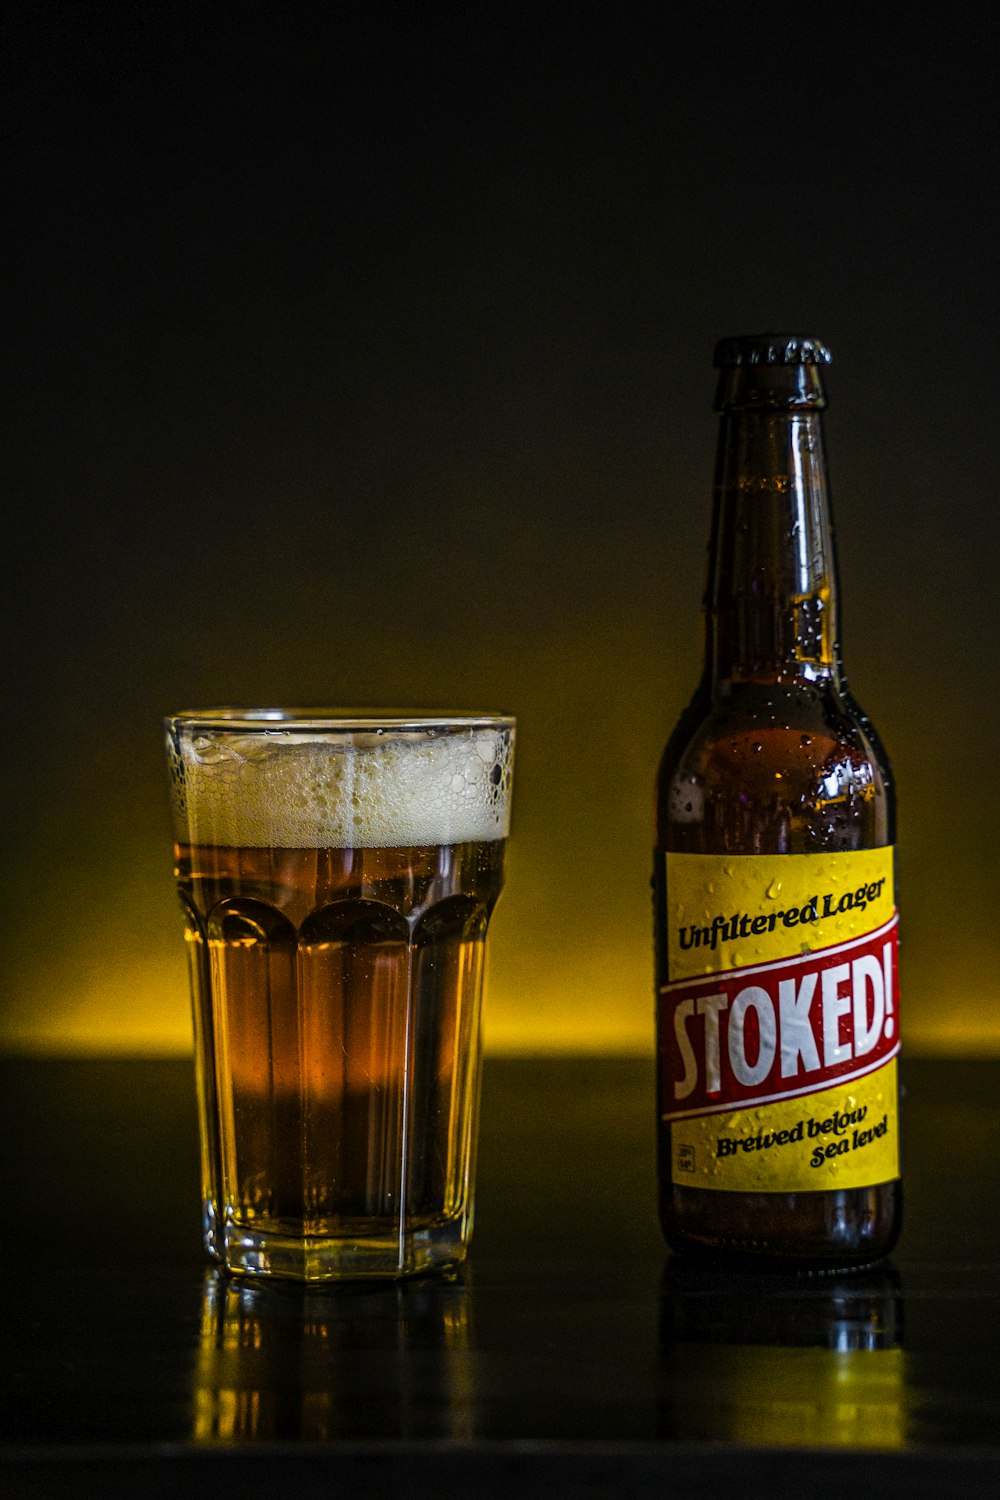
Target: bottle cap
(770, 349)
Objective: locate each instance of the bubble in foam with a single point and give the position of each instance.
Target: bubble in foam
(288, 790)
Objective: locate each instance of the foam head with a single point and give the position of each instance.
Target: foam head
(281, 789)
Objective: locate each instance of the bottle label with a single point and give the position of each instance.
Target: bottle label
(778, 1021)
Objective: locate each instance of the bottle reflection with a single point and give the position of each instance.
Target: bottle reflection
(810, 1361)
(281, 1361)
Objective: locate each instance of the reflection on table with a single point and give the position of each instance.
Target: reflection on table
(285, 1363)
(783, 1360)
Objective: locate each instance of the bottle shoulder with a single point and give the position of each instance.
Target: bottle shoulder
(774, 768)
(818, 717)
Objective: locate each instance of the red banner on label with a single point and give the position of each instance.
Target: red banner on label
(750, 1036)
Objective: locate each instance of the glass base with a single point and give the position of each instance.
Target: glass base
(388, 1256)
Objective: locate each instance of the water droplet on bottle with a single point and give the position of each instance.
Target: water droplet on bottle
(756, 747)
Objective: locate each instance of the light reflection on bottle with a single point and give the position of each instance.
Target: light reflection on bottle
(280, 1362)
(781, 1360)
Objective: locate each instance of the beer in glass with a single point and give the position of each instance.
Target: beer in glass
(337, 873)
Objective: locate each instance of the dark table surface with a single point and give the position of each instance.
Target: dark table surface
(574, 1356)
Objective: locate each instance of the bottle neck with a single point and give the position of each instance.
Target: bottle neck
(772, 596)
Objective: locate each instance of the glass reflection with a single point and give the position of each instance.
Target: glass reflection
(771, 1359)
(354, 1361)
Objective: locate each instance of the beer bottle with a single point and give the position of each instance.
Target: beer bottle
(775, 914)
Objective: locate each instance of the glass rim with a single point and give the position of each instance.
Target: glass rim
(333, 720)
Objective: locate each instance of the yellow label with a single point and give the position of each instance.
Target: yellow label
(838, 1138)
(733, 911)
(778, 1021)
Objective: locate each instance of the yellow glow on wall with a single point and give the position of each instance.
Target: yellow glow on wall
(95, 960)
(572, 991)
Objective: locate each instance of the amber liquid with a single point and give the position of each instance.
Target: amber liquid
(766, 768)
(337, 998)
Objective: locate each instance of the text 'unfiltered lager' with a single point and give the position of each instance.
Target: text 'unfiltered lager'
(775, 912)
(337, 875)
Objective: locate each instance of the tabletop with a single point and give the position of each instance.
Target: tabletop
(573, 1355)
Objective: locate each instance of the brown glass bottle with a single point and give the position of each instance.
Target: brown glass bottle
(774, 758)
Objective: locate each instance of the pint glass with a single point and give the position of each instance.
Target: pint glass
(337, 873)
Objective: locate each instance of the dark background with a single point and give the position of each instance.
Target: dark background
(363, 354)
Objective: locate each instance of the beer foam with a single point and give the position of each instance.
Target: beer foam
(297, 791)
